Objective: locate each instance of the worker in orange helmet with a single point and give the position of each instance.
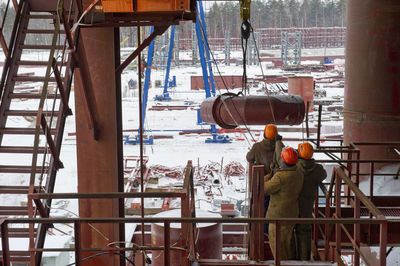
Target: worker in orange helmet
(284, 188)
(267, 152)
(314, 174)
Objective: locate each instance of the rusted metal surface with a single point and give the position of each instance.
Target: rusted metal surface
(256, 196)
(209, 242)
(229, 111)
(303, 86)
(61, 88)
(372, 90)
(85, 79)
(50, 142)
(97, 173)
(78, 246)
(4, 243)
(120, 151)
(3, 43)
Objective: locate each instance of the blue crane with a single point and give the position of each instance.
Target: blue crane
(208, 78)
(136, 139)
(167, 83)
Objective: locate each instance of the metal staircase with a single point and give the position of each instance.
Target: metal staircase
(33, 110)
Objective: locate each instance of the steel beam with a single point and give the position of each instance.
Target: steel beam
(157, 31)
(60, 85)
(4, 243)
(119, 136)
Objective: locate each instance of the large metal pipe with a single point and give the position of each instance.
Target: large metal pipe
(372, 88)
(230, 110)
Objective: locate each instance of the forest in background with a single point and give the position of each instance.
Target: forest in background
(224, 16)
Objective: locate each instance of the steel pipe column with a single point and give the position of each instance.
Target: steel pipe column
(303, 86)
(229, 110)
(97, 159)
(372, 89)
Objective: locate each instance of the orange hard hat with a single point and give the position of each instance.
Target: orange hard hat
(289, 155)
(270, 131)
(306, 151)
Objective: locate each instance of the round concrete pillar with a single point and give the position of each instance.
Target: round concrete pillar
(372, 89)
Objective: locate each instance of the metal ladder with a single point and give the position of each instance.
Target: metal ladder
(30, 149)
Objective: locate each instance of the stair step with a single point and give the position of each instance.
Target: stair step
(30, 96)
(16, 189)
(32, 79)
(20, 149)
(40, 47)
(18, 256)
(21, 131)
(42, 16)
(42, 31)
(23, 169)
(19, 232)
(29, 113)
(13, 210)
(35, 63)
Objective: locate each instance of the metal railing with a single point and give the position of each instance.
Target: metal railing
(114, 250)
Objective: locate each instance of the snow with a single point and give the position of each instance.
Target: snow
(169, 152)
(385, 185)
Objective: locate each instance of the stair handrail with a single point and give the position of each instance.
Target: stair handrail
(10, 49)
(359, 196)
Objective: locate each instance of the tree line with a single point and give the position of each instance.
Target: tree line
(225, 16)
(222, 17)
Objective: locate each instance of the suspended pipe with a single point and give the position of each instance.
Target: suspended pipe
(229, 110)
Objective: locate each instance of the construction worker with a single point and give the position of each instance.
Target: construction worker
(284, 188)
(314, 174)
(267, 152)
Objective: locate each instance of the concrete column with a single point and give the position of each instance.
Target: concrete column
(372, 88)
(97, 159)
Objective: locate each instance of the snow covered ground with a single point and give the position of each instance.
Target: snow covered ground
(169, 152)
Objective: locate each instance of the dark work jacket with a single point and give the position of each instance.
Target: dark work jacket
(284, 188)
(266, 152)
(314, 174)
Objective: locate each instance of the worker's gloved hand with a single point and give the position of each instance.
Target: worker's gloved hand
(278, 137)
(268, 177)
(273, 166)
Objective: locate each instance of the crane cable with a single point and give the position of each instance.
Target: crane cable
(205, 40)
(245, 31)
(262, 72)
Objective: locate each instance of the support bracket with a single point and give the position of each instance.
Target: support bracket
(157, 31)
(60, 85)
(47, 131)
